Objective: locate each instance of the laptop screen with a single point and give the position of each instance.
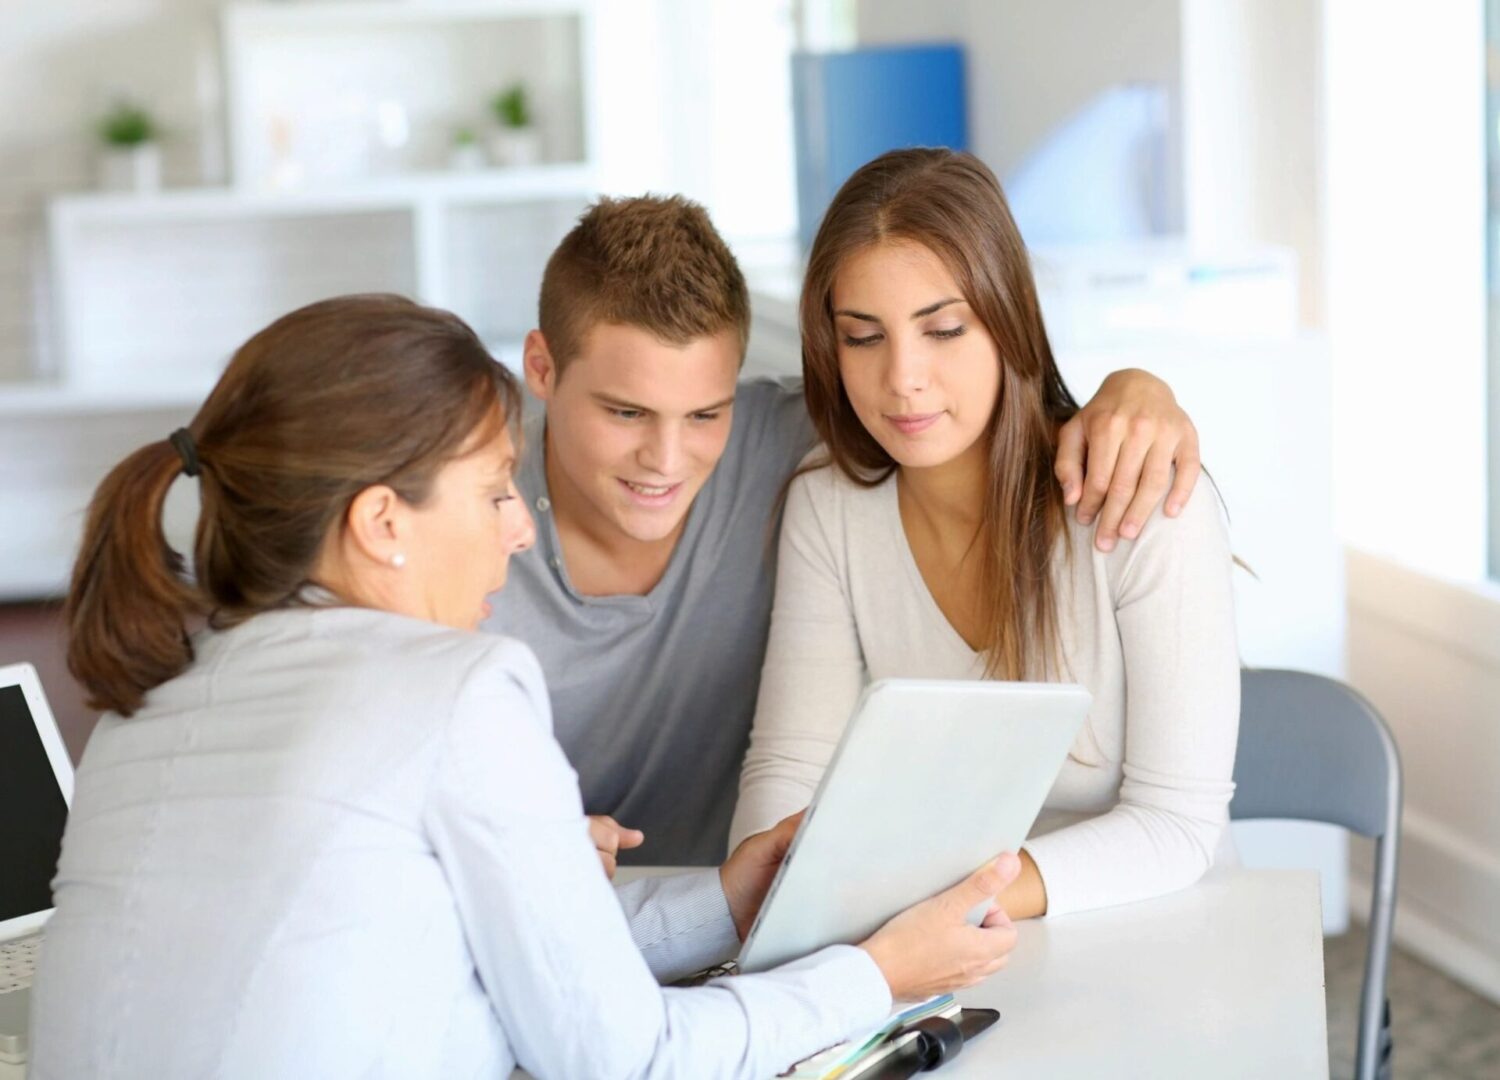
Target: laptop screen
(32, 811)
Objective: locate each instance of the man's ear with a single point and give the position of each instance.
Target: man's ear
(541, 369)
(376, 525)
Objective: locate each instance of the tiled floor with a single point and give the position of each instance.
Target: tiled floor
(1440, 1030)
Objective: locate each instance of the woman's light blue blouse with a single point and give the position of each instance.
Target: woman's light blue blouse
(344, 843)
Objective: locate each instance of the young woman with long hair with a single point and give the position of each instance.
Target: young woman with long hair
(324, 829)
(928, 537)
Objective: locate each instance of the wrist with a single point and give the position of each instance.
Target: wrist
(1026, 896)
(884, 962)
(734, 903)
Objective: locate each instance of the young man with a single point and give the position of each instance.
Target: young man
(648, 594)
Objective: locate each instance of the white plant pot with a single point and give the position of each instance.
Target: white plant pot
(466, 157)
(516, 146)
(136, 168)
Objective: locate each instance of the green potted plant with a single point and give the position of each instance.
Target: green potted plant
(464, 153)
(516, 141)
(130, 155)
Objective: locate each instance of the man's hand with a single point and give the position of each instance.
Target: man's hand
(747, 875)
(610, 838)
(1132, 432)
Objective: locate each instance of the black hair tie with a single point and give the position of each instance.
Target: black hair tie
(182, 442)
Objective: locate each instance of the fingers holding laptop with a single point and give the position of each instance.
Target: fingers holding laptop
(931, 948)
(610, 838)
(747, 874)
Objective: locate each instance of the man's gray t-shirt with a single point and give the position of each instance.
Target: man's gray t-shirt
(653, 696)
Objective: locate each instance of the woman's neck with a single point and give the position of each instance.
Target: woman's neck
(947, 498)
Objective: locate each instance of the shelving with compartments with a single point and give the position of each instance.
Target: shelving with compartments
(157, 290)
(150, 293)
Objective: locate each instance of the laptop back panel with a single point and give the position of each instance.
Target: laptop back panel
(36, 787)
(931, 779)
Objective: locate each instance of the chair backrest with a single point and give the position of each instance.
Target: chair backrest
(1313, 749)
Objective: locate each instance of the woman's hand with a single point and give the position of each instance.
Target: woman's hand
(747, 874)
(930, 948)
(610, 838)
(1132, 432)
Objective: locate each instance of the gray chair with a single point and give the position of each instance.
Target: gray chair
(1312, 749)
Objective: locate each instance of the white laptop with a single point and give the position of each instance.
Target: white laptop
(931, 779)
(36, 788)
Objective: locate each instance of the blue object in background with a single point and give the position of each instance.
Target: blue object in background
(850, 107)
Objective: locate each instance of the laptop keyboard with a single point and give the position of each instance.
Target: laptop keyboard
(18, 962)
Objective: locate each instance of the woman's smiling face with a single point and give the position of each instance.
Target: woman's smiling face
(920, 369)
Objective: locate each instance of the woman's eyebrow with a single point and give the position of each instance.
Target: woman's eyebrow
(920, 313)
(930, 308)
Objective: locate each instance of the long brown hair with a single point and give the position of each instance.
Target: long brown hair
(324, 402)
(951, 204)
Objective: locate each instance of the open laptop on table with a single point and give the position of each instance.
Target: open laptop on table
(36, 788)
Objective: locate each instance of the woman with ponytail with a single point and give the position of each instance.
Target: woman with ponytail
(927, 538)
(323, 828)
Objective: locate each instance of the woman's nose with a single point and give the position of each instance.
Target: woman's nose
(525, 531)
(906, 370)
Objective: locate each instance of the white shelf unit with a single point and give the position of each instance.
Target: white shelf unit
(323, 92)
(152, 293)
(158, 290)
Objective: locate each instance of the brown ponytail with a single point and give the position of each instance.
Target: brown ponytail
(323, 403)
(129, 588)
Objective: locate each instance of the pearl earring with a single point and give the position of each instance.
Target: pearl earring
(398, 560)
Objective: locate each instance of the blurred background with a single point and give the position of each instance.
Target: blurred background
(1285, 208)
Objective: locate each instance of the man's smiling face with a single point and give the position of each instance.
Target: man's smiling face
(636, 425)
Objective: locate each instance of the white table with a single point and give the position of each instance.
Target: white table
(1222, 980)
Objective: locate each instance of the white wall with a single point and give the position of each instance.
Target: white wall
(1427, 654)
(697, 100)
(1034, 63)
(1252, 129)
(60, 65)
